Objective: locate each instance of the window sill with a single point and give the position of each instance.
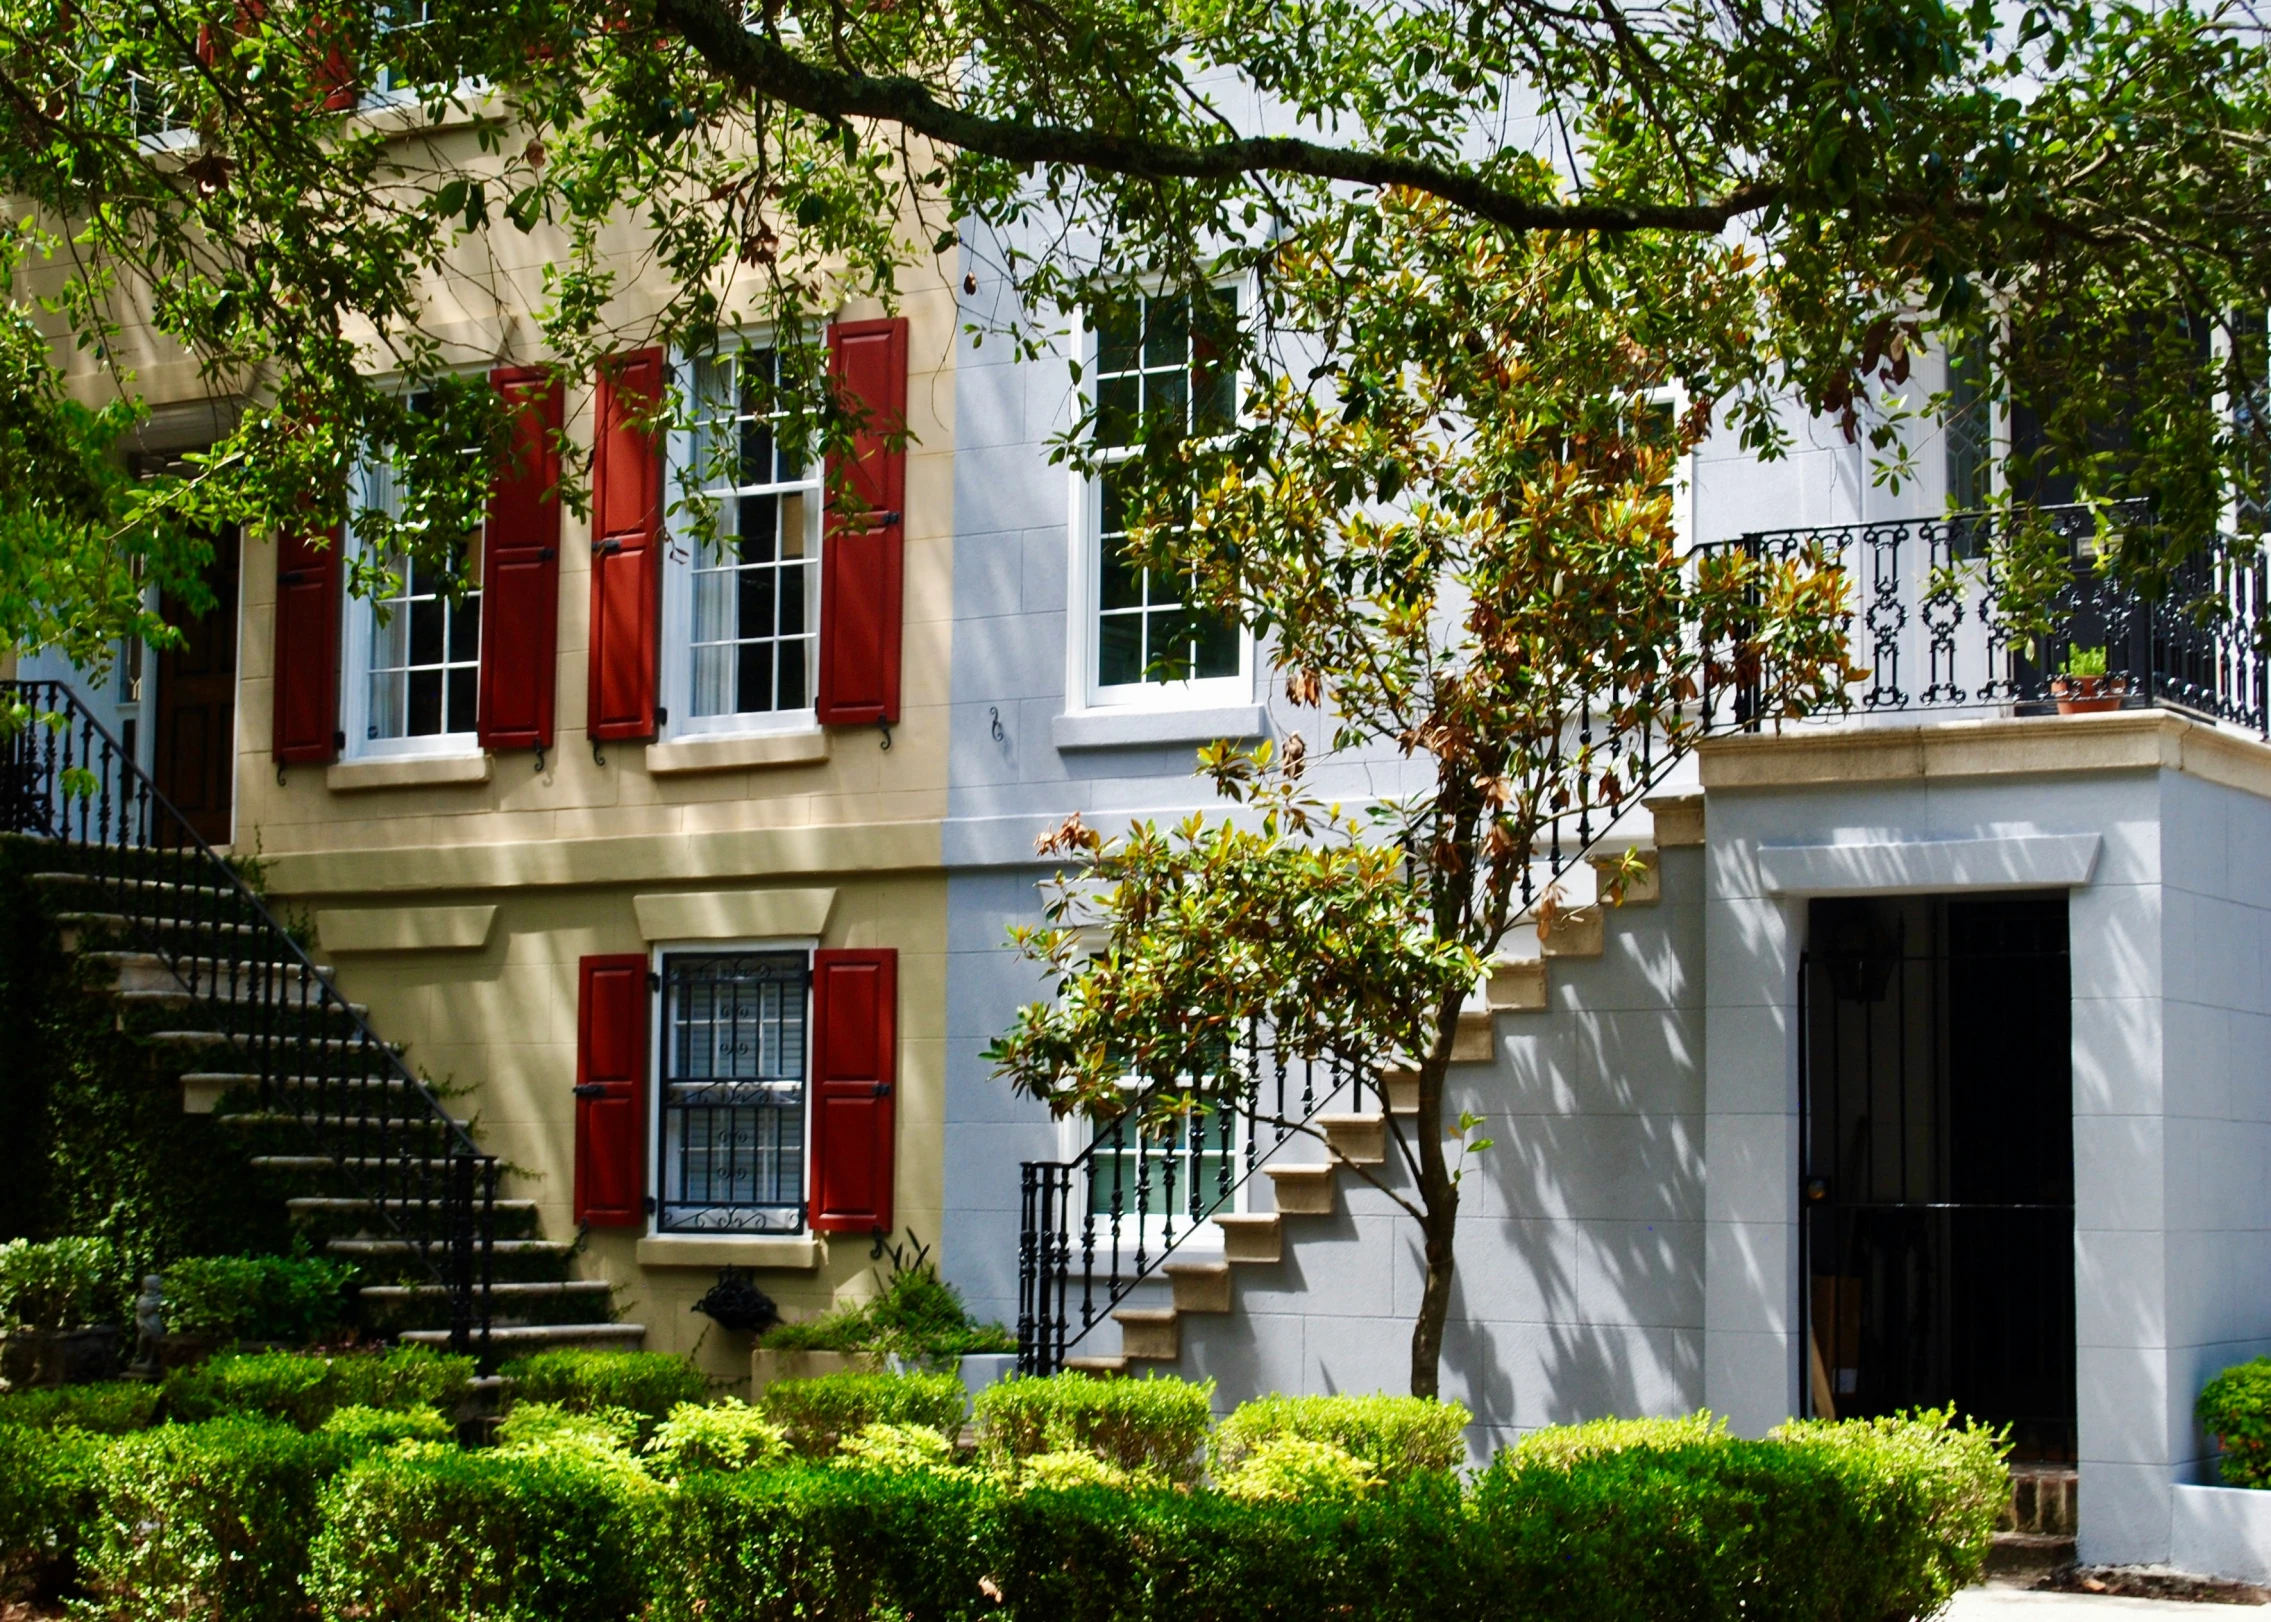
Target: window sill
(803, 1253)
(1146, 728)
(407, 771)
(737, 754)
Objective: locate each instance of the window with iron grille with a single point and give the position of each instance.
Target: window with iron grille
(734, 1045)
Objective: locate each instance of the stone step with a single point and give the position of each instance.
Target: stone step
(1153, 1334)
(345, 1123)
(1251, 1236)
(355, 1205)
(1476, 1039)
(1578, 932)
(1401, 1087)
(1517, 986)
(1643, 889)
(1361, 1140)
(541, 1290)
(1303, 1190)
(1103, 1367)
(148, 971)
(408, 1247)
(76, 928)
(314, 1044)
(2028, 1554)
(343, 1162)
(1678, 819)
(1199, 1286)
(204, 893)
(239, 996)
(202, 1090)
(523, 1337)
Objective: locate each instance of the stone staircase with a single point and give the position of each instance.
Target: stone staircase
(1520, 984)
(328, 1120)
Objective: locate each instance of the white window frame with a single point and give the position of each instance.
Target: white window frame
(1083, 691)
(356, 640)
(1683, 470)
(1076, 1133)
(677, 675)
(658, 1045)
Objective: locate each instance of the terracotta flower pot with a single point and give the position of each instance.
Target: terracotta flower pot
(2086, 695)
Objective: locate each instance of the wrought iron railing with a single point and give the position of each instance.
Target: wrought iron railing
(64, 778)
(1937, 621)
(1094, 1227)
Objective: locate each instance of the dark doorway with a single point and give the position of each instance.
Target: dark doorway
(1938, 1177)
(194, 749)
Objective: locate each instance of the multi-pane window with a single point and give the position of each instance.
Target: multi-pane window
(422, 670)
(1160, 374)
(733, 1072)
(1176, 1175)
(753, 648)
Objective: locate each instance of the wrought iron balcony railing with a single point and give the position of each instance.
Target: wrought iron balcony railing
(1934, 622)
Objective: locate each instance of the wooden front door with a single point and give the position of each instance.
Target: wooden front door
(195, 744)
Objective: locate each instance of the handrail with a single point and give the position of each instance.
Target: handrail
(68, 779)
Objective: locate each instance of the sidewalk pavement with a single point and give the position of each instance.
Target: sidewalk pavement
(2022, 1605)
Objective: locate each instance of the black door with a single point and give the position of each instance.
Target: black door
(194, 749)
(1938, 1177)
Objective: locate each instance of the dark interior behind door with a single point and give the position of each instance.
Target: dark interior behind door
(1938, 1180)
(194, 749)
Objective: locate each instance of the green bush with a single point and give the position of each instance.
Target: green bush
(729, 1435)
(305, 1388)
(1297, 1467)
(546, 1427)
(805, 1541)
(1155, 1425)
(47, 1500)
(1395, 1435)
(287, 1298)
(57, 1283)
(367, 1430)
(498, 1535)
(648, 1384)
(110, 1407)
(919, 1315)
(1835, 1523)
(818, 1414)
(2235, 1408)
(1564, 1445)
(208, 1520)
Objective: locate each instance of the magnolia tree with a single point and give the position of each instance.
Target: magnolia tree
(1454, 536)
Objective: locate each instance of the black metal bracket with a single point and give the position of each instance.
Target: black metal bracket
(540, 760)
(885, 728)
(993, 714)
(598, 756)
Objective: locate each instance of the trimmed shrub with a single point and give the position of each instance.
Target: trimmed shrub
(1564, 1445)
(895, 1447)
(305, 1388)
(919, 1315)
(1870, 1523)
(1296, 1467)
(109, 1407)
(546, 1427)
(1394, 1435)
(729, 1435)
(47, 1500)
(817, 1414)
(806, 1541)
(367, 1430)
(288, 1298)
(210, 1520)
(1928, 1491)
(2235, 1408)
(433, 1534)
(1155, 1425)
(648, 1384)
(58, 1283)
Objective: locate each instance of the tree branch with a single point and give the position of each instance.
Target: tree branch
(767, 68)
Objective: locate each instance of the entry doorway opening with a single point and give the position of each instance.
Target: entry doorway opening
(1937, 1176)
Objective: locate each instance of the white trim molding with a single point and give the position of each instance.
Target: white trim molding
(1920, 866)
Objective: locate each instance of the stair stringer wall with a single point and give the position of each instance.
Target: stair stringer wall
(1579, 1290)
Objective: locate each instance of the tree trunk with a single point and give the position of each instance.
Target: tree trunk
(1439, 1201)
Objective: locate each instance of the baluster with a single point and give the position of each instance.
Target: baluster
(1198, 1164)
(1308, 1085)
(1253, 1085)
(1584, 770)
(1277, 1055)
(1027, 1273)
(1143, 1199)
(1167, 1169)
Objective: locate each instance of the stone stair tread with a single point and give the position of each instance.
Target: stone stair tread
(351, 1122)
(409, 1247)
(149, 886)
(532, 1334)
(342, 1162)
(251, 1078)
(316, 1203)
(1145, 1315)
(124, 957)
(119, 920)
(519, 1289)
(1097, 1365)
(237, 996)
(1303, 1173)
(333, 1044)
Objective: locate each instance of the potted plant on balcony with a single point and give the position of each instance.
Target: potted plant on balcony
(2084, 688)
(56, 1298)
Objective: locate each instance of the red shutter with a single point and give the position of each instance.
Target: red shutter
(855, 1065)
(520, 570)
(626, 549)
(305, 692)
(861, 558)
(611, 1091)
